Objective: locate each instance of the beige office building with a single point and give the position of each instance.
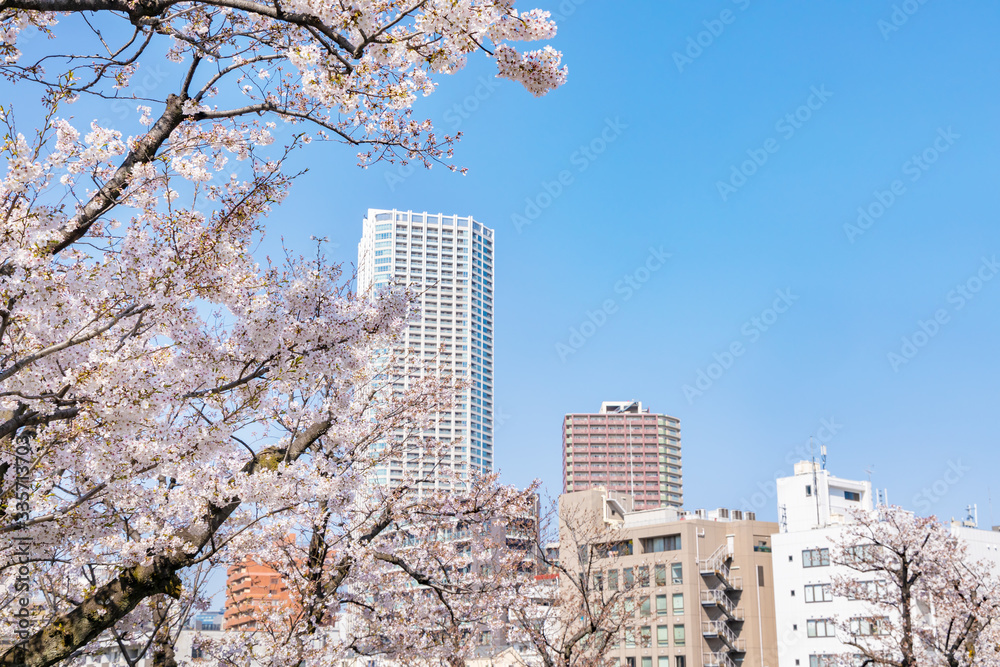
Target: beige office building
(699, 589)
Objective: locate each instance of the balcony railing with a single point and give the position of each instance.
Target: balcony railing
(718, 565)
(717, 660)
(717, 597)
(719, 630)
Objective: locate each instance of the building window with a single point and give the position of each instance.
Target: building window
(822, 661)
(663, 543)
(678, 603)
(661, 605)
(815, 557)
(663, 661)
(818, 593)
(612, 580)
(861, 554)
(644, 606)
(679, 635)
(645, 637)
(660, 575)
(644, 576)
(598, 581)
(676, 573)
(629, 637)
(680, 661)
(870, 626)
(628, 576)
(868, 590)
(663, 635)
(629, 662)
(647, 661)
(623, 548)
(821, 627)
(852, 495)
(809, 490)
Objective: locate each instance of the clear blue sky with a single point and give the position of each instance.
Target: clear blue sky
(673, 129)
(879, 98)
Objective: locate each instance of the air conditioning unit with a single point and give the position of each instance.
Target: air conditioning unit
(737, 515)
(700, 514)
(723, 513)
(751, 516)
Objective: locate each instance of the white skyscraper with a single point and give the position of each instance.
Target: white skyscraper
(449, 259)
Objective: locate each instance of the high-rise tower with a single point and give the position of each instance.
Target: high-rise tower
(627, 449)
(449, 260)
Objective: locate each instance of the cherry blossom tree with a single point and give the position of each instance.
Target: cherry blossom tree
(926, 602)
(168, 399)
(575, 613)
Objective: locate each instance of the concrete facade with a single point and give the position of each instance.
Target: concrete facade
(815, 508)
(626, 449)
(700, 581)
(448, 260)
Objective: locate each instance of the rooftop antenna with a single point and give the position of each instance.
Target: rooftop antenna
(812, 450)
(972, 516)
(631, 450)
(822, 452)
(783, 521)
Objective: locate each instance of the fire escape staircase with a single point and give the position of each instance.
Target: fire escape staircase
(717, 565)
(715, 569)
(720, 659)
(716, 597)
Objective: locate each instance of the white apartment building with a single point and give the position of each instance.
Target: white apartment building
(448, 259)
(813, 508)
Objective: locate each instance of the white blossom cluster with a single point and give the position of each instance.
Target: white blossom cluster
(186, 403)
